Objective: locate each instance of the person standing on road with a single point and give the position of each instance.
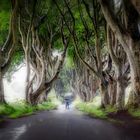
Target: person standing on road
(67, 103)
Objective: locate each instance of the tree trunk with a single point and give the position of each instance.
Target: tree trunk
(134, 59)
(27, 79)
(35, 97)
(2, 100)
(112, 92)
(120, 102)
(129, 40)
(104, 95)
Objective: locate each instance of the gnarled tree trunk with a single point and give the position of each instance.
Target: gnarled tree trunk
(129, 38)
(112, 92)
(134, 59)
(104, 95)
(120, 101)
(2, 100)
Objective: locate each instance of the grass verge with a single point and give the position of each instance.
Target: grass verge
(134, 112)
(93, 109)
(110, 113)
(17, 110)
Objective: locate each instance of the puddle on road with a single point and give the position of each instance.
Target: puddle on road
(17, 132)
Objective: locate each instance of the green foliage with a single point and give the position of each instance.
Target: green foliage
(69, 62)
(134, 112)
(16, 62)
(65, 77)
(16, 110)
(4, 25)
(5, 7)
(50, 24)
(91, 110)
(58, 44)
(46, 106)
(111, 109)
(4, 18)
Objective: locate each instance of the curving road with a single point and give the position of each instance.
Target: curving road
(64, 125)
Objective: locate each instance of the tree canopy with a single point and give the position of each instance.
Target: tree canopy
(97, 44)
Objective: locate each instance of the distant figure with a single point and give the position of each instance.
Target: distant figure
(67, 103)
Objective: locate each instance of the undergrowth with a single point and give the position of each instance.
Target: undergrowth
(16, 110)
(93, 109)
(135, 112)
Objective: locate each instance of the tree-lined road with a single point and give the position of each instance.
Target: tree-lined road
(63, 125)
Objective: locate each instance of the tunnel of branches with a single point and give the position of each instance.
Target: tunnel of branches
(96, 42)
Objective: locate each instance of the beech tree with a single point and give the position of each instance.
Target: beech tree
(121, 64)
(38, 51)
(129, 36)
(96, 20)
(8, 48)
(103, 37)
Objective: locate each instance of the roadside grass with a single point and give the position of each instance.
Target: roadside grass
(93, 108)
(134, 112)
(20, 108)
(46, 106)
(16, 110)
(110, 113)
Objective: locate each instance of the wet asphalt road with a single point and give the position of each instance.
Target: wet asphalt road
(63, 125)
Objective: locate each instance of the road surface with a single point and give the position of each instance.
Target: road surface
(64, 125)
